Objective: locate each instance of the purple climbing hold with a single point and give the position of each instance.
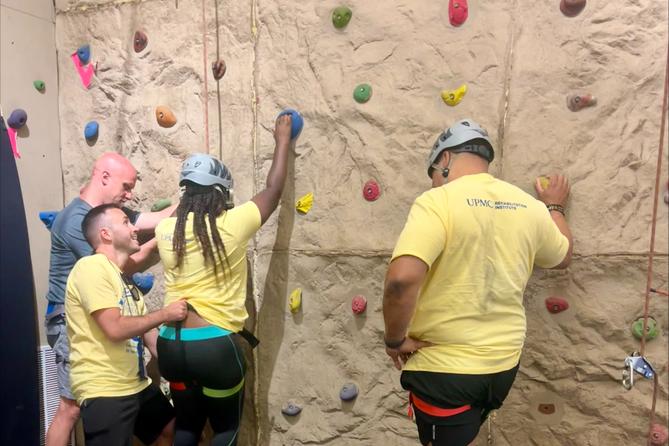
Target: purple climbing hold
(17, 119)
(348, 392)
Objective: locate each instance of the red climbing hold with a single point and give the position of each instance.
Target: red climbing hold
(572, 8)
(658, 435)
(140, 41)
(546, 408)
(359, 304)
(218, 69)
(457, 12)
(556, 304)
(371, 190)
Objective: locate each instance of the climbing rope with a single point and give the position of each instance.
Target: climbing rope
(218, 87)
(206, 89)
(651, 254)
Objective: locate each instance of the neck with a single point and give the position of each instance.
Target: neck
(467, 166)
(117, 258)
(91, 196)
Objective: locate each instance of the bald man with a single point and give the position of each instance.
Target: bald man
(112, 181)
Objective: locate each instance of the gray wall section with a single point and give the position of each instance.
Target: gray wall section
(28, 53)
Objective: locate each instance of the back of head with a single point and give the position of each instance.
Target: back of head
(465, 136)
(205, 170)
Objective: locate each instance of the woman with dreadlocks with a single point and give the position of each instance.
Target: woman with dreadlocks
(203, 250)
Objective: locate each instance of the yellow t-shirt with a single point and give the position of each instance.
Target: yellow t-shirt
(98, 366)
(218, 300)
(480, 237)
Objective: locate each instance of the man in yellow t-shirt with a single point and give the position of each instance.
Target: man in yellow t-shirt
(107, 328)
(453, 297)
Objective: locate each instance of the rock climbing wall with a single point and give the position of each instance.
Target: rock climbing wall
(519, 61)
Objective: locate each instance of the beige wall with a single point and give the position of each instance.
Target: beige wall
(28, 53)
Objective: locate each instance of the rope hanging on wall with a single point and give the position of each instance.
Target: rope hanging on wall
(205, 99)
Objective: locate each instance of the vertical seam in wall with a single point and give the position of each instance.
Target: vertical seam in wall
(507, 87)
(60, 141)
(254, 262)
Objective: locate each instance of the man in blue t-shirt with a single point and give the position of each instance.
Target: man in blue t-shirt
(112, 181)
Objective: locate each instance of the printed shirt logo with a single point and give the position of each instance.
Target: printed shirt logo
(494, 204)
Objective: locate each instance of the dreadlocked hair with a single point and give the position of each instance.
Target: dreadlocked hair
(205, 202)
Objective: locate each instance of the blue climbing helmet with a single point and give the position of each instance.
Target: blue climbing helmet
(464, 136)
(205, 170)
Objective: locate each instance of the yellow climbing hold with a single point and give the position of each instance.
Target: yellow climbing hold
(544, 181)
(453, 97)
(304, 204)
(295, 301)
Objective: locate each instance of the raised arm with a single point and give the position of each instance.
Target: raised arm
(147, 221)
(557, 193)
(267, 200)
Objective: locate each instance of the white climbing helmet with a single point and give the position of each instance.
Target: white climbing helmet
(205, 170)
(455, 137)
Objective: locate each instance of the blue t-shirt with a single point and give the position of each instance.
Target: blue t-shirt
(68, 245)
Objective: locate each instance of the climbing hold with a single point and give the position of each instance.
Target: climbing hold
(546, 409)
(348, 392)
(359, 304)
(140, 41)
(544, 181)
(296, 122)
(371, 190)
(556, 304)
(39, 85)
(291, 409)
(651, 328)
(457, 12)
(218, 68)
(48, 218)
(295, 300)
(341, 15)
(143, 281)
(17, 118)
(165, 117)
(84, 54)
(304, 204)
(362, 93)
(161, 204)
(666, 193)
(575, 102)
(453, 97)
(572, 8)
(91, 131)
(658, 435)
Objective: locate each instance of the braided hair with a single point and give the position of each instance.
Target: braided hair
(204, 202)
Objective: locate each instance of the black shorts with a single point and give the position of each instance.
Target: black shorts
(114, 420)
(452, 390)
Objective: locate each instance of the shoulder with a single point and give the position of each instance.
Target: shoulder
(71, 216)
(97, 262)
(248, 209)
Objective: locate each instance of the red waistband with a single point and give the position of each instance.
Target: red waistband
(435, 411)
(174, 385)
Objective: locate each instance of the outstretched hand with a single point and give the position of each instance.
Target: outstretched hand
(282, 129)
(557, 191)
(401, 354)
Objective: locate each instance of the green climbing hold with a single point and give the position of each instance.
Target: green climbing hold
(39, 85)
(341, 15)
(161, 204)
(362, 93)
(651, 328)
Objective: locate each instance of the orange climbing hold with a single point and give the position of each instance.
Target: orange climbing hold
(556, 304)
(165, 117)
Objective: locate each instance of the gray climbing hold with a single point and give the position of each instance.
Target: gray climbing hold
(291, 409)
(348, 392)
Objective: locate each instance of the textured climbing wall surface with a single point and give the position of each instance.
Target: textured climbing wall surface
(519, 61)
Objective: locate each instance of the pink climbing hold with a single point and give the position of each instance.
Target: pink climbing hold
(556, 304)
(371, 190)
(359, 304)
(12, 141)
(457, 12)
(658, 435)
(85, 72)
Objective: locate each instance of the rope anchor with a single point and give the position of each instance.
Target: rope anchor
(636, 364)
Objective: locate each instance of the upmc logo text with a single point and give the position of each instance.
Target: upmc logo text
(478, 202)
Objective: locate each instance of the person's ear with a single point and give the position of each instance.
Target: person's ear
(105, 234)
(105, 177)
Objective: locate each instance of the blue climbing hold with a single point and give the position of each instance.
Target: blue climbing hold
(143, 281)
(84, 54)
(296, 122)
(17, 119)
(48, 218)
(348, 392)
(291, 409)
(91, 130)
